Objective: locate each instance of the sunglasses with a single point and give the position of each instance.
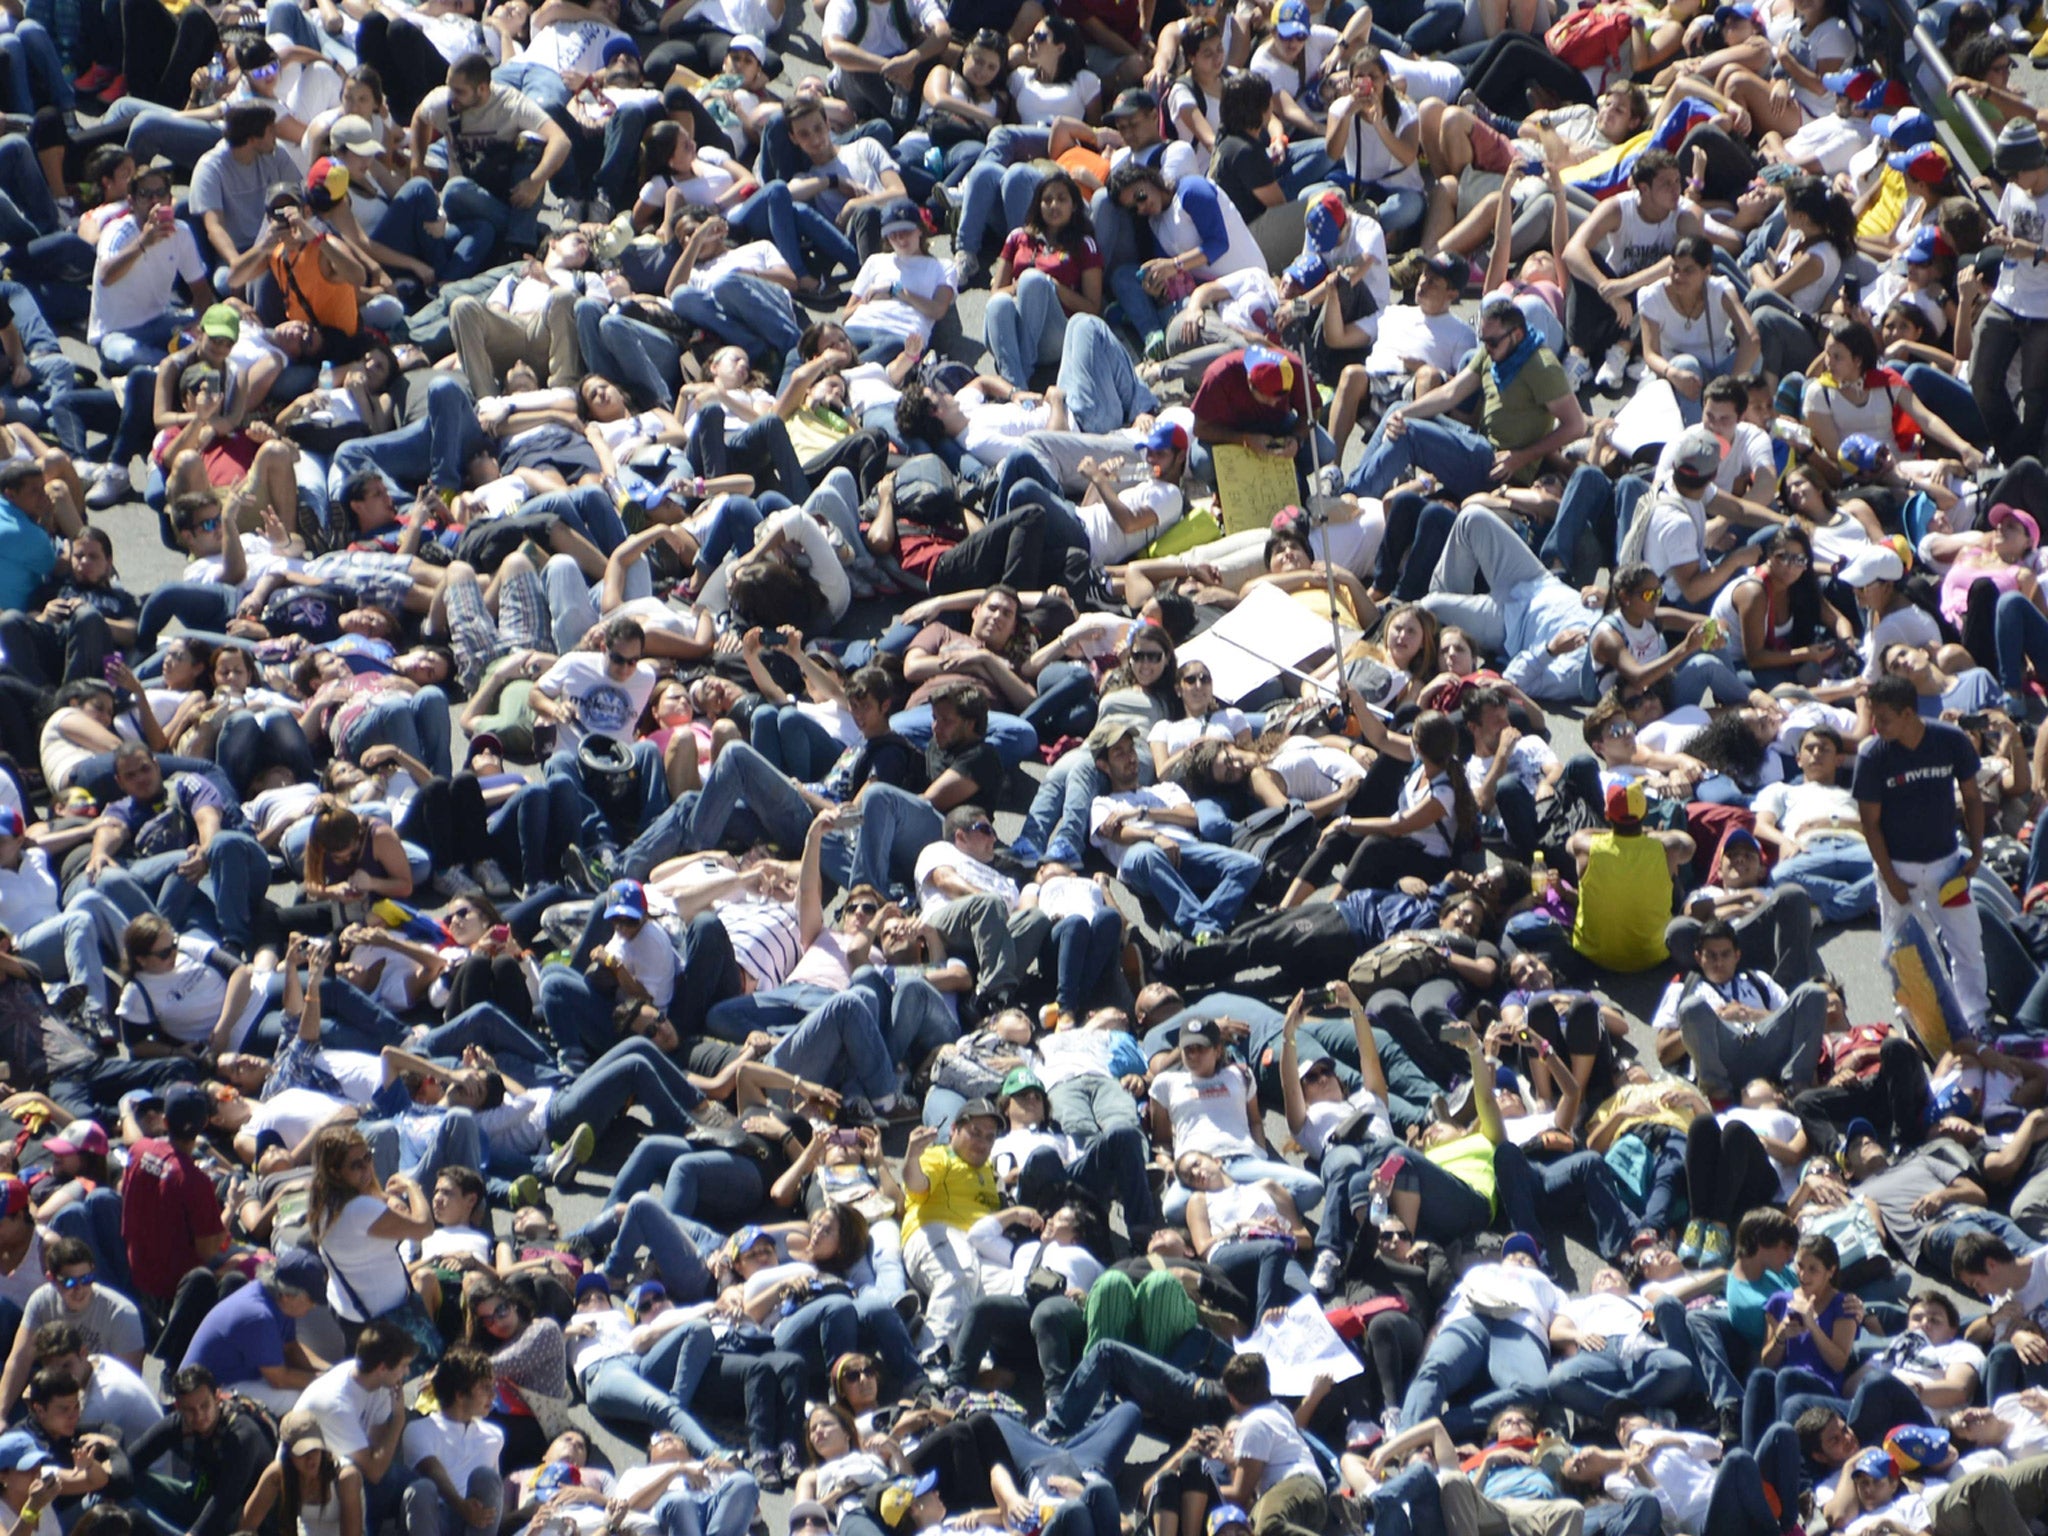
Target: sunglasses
(1317, 1074)
(165, 953)
(1790, 557)
(455, 912)
(73, 1282)
(264, 72)
(854, 1372)
(863, 908)
(621, 659)
(1490, 342)
(203, 525)
(1041, 36)
(1194, 677)
(492, 1314)
(1148, 656)
(980, 826)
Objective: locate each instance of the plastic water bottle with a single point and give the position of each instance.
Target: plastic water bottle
(1539, 877)
(327, 377)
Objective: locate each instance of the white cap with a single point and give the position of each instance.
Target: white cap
(1877, 563)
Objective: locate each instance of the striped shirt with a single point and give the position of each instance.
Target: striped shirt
(767, 939)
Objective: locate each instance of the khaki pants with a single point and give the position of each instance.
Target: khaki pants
(489, 341)
(1998, 1502)
(946, 1270)
(1294, 1506)
(1468, 1512)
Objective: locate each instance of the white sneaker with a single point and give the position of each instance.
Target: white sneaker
(1324, 1280)
(111, 488)
(1576, 369)
(491, 875)
(1613, 369)
(454, 882)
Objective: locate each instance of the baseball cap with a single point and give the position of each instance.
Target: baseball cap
(1790, 400)
(301, 1269)
(270, 1139)
(1290, 18)
(187, 1108)
(354, 134)
(1927, 163)
(894, 1502)
(1201, 1032)
(1307, 271)
(1625, 803)
(1856, 1128)
(1165, 435)
(1741, 837)
(1861, 451)
(747, 42)
(1327, 219)
(10, 822)
(299, 1432)
(1698, 454)
(622, 45)
(82, 1137)
(13, 1197)
(1129, 102)
(1876, 1461)
(1310, 1066)
(1913, 1446)
(1522, 1243)
(591, 1282)
(223, 321)
(626, 898)
(1851, 83)
(1108, 733)
(329, 177)
(808, 1512)
(978, 1109)
(2003, 514)
(1738, 9)
(1020, 1080)
(1927, 244)
(1269, 372)
(283, 194)
(901, 214)
(1885, 96)
(1877, 563)
(645, 1294)
(1447, 268)
(1224, 1516)
(20, 1453)
(1905, 130)
(484, 741)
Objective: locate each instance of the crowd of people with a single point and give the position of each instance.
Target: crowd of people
(516, 937)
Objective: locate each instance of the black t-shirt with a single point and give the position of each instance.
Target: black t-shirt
(113, 601)
(887, 758)
(1239, 168)
(1916, 786)
(977, 761)
(1578, 1032)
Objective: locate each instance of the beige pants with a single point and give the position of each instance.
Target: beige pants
(489, 341)
(1468, 1512)
(1998, 1502)
(945, 1269)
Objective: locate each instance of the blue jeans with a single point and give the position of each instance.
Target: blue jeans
(1505, 1354)
(1012, 737)
(1593, 1381)
(840, 1045)
(634, 1071)
(26, 190)
(1538, 1196)
(743, 796)
(793, 742)
(1025, 328)
(1104, 393)
(432, 450)
(727, 1510)
(415, 723)
(1410, 1503)
(485, 222)
(1202, 889)
(1591, 501)
(638, 1389)
(237, 875)
(1837, 873)
(154, 131)
(675, 1244)
(1460, 458)
(1088, 949)
(1938, 1247)
(896, 827)
(747, 311)
(139, 346)
(772, 214)
(403, 227)
(31, 74)
(1057, 823)
(1164, 1394)
(2021, 632)
(490, 1027)
(1737, 1506)
(645, 359)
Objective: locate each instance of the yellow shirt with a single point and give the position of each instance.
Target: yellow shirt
(1469, 1160)
(1624, 903)
(960, 1194)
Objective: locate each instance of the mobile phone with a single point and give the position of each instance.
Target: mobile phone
(501, 934)
(845, 1138)
(851, 817)
(163, 214)
(111, 668)
(1975, 720)
(1852, 292)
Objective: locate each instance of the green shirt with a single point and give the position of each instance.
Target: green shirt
(1521, 415)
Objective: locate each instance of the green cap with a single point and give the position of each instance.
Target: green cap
(1020, 1078)
(222, 320)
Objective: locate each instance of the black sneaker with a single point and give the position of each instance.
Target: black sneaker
(1729, 1427)
(767, 1471)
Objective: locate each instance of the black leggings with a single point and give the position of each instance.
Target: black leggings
(1727, 1171)
(1980, 637)
(160, 52)
(448, 819)
(1374, 863)
(692, 46)
(1393, 1342)
(409, 62)
(961, 1453)
(497, 979)
(1502, 74)
(1417, 1027)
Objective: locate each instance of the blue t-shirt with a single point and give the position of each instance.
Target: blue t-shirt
(1802, 1351)
(241, 1335)
(1974, 689)
(1916, 786)
(1746, 1300)
(27, 556)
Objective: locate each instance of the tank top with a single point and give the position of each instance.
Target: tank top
(310, 294)
(1636, 242)
(1777, 621)
(1642, 641)
(324, 1518)
(1243, 1211)
(1971, 567)
(1624, 903)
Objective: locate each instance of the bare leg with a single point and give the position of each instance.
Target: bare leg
(1440, 214)
(1353, 385)
(679, 762)
(1471, 233)
(564, 540)
(187, 476)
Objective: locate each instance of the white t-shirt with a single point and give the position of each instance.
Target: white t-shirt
(603, 707)
(1677, 536)
(947, 855)
(1040, 101)
(1406, 334)
(1225, 724)
(1310, 770)
(1749, 451)
(1150, 797)
(1109, 543)
(30, 894)
(881, 35)
(1528, 760)
(185, 1005)
(2022, 285)
(1798, 806)
(1708, 336)
(571, 47)
(1291, 78)
(292, 1113)
(370, 1264)
(1533, 1297)
(1207, 1113)
(1419, 787)
(1267, 1434)
(462, 1449)
(921, 276)
(1681, 1476)
(716, 174)
(1907, 624)
(349, 1413)
(651, 959)
(144, 291)
(1779, 1125)
(1321, 1119)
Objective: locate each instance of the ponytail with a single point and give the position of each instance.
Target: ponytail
(1435, 739)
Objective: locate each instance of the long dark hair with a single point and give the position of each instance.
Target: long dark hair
(1804, 593)
(1079, 228)
(1067, 38)
(1164, 693)
(293, 1496)
(1434, 735)
(1728, 745)
(658, 148)
(1815, 199)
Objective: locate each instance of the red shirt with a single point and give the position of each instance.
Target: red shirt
(1024, 251)
(1120, 16)
(1226, 397)
(167, 1205)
